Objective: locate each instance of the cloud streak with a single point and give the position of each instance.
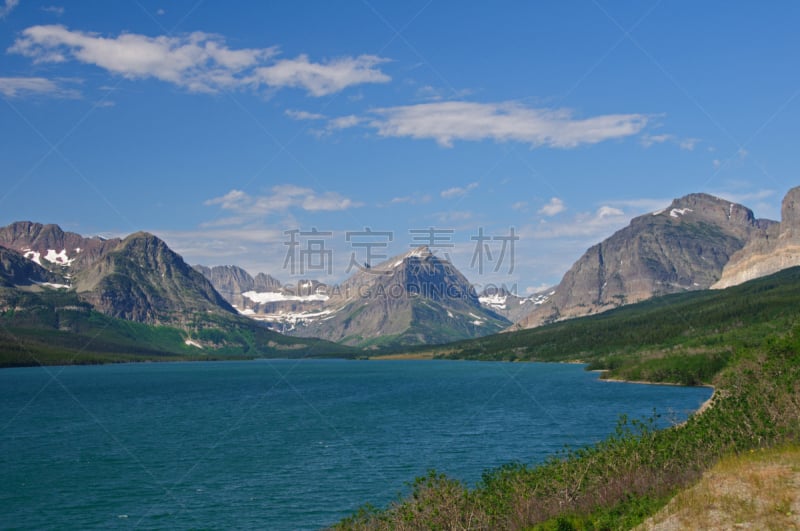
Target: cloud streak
(447, 122)
(458, 191)
(16, 87)
(198, 62)
(8, 7)
(553, 207)
(282, 198)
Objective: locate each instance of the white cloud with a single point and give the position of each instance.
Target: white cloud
(649, 140)
(198, 62)
(593, 225)
(53, 10)
(642, 205)
(344, 122)
(453, 216)
(411, 199)
(458, 191)
(303, 115)
(282, 198)
(553, 207)
(431, 93)
(8, 7)
(686, 144)
(446, 122)
(519, 205)
(744, 198)
(15, 87)
(321, 79)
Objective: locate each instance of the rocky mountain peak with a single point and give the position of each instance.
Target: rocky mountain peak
(51, 247)
(790, 211)
(680, 248)
(777, 248)
(705, 207)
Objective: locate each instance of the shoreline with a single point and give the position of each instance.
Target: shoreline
(705, 406)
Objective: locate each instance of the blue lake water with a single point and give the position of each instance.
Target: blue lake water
(282, 444)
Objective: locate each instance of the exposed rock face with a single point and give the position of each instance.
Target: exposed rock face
(776, 249)
(512, 306)
(139, 278)
(143, 280)
(53, 248)
(263, 297)
(414, 298)
(683, 247)
(18, 271)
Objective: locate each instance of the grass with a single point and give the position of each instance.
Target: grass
(759, 489)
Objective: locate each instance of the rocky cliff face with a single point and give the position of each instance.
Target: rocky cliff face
(414, 298)
(769, 252)
(512, 306)
(143, 280)
(264, 298)
(683, 247)
(53, 248)
(18, 271)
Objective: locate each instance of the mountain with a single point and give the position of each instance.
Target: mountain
(52, 248)
(138, 278)
(775, 249)
(143, 280)
(18, 271)
(265, 299)
(94, 300)
(510, 305)
(681, 248)
(414, 298)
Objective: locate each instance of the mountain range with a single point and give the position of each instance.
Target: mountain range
(414, 298)
(697, 242)
(683, 247)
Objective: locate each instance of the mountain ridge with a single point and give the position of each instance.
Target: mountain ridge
(776, 249)
(683, 247)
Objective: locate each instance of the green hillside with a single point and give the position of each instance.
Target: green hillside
(683, 338)
(54, 327)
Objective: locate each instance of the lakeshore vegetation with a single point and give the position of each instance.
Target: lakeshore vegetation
(745, 341)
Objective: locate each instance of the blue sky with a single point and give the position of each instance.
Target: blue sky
(226, 127)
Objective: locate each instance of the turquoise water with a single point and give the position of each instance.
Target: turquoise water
(282, 444)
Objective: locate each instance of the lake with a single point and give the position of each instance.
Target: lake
(283, 444)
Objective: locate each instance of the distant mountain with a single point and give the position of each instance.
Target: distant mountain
(138, 278)
(681, 248)
(265, 299)
(52, 248)
(143, 280)
(512, 306)
(18, 271)
(94, 300)
(414, 298)
(775, 249)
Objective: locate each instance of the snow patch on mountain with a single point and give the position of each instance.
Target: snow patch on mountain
(52, 285)
(275, 296)
(678, 212)
(33, 256)
(498, 302)
(59, 258)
